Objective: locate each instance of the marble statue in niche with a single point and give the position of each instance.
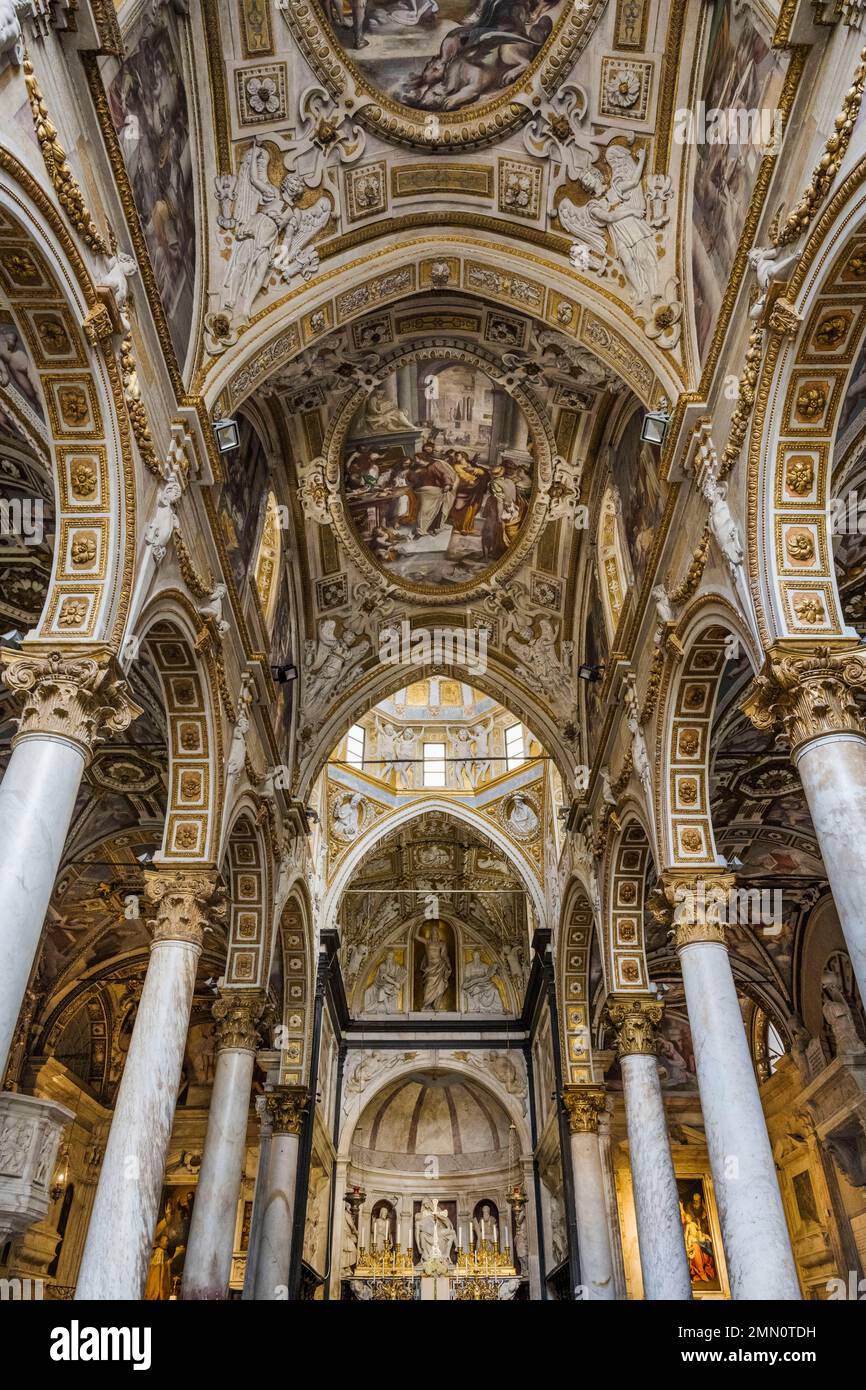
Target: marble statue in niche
(485, 1225)
(383, 1227)
(435, 1235)
(434, 968)
(480, 992)
(382, 996)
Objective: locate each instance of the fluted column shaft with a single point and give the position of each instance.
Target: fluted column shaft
(208, 1261)
(657, 1210)
(118, 1246)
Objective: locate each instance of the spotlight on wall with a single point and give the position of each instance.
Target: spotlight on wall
(312, 815)
(655, 427)
(227, 434)
(283, 674)
(590, 673)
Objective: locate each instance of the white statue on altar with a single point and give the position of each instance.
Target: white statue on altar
(434, 1232)
(485, 1228)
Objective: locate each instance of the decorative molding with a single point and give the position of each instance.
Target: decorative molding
(238, 1014)
(634, 1020)
(187, 902)
(809, 692)
(286, 1107)
(584, 1106)
(77, 698)
(65, 184)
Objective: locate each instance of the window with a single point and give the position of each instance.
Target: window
(775, 1047)
(355, 746)
(515, 753)
(434, 764)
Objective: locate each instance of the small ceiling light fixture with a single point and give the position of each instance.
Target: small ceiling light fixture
(227, 434)
(655, 426)
(283, 674)
(590, 673)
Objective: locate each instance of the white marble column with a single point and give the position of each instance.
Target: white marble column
(69, 702)
(584, 1105)
(258, 1198)
(754, 1230)
(208, 1261)
(808, 691)
(118, 1246)
(286, 1107)
(657, 1210)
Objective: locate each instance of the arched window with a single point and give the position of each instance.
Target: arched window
(268, 560)
(355, 746)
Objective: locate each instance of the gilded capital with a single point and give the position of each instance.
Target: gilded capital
(700, 907)
(79, 698)
(808, 692)
(634, 1019)
(186, 902)
(286, 1107)
(238, 1014)
(584, 1105)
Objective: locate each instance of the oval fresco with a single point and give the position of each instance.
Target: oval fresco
(438, 470)
(425, 72)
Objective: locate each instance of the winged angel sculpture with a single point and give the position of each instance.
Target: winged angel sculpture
(271, 233)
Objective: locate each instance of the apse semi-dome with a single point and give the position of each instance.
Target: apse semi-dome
(432, 1113)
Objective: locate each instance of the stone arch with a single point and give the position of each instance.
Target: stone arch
(380, 681)
(397, 1065)
(247, 867)
(623, 945)
(67, 329)
(403, 816)
(705, 638)
(573, 985)
(294, 940)
(189, 682)
(499, 271)
(810, 353)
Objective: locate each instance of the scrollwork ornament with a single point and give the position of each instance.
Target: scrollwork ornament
(78, 698)
(66, 186)
(286, 1107)
(584, 1106)
(635, 1020)
(186, 903)
(809, 694)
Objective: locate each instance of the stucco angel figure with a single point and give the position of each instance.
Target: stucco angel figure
(333, 658)
(271, 232)
(164, 521)
(348, 813)
(765, 263)
(619, 207)
(725, 530)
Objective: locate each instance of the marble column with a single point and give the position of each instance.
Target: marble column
(258, 1198)
(754, 1230)
(208, 1260)
(583, 1106)
(118, 1246)
(287, 1106)
(807, 690)
(657, 1209)
(70, 701)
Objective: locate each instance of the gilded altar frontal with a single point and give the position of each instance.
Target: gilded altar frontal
(432, 661)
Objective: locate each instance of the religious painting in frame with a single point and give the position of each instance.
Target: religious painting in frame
(702, 1236)
(170, 1240)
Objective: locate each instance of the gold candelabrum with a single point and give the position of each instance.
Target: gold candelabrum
(484, 1261)
(384, 1262)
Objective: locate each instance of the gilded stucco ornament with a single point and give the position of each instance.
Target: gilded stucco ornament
(238, 1014)
(584, 1106)
(809, 692)
(79, 698)
(634, 1020)
(186, 903)
(286, 1107)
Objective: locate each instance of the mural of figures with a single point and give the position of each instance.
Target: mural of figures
(169, 1244)
(148, 104)
(635, 475)
(243, 501)
(438, 472)
(742, 71)
(443, 55)
(17, 373)
(700, 1243)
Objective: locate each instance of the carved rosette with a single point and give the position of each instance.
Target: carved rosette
(635, 1020)
(78, 698)
(186, 902)
(809, 693)
(286, 1107)
(238, 1014)
(584, 1106)
(700, 907)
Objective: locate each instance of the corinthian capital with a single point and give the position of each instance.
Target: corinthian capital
(186, 902)
(808, 692)
(79, 698)
(634, 1019)
(583, 1105)
(700, 906)
(238, 1013)
(286, 1108)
